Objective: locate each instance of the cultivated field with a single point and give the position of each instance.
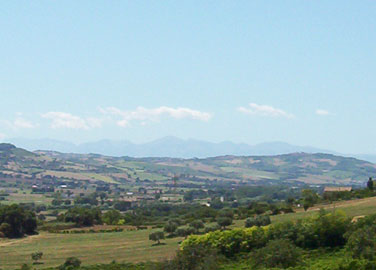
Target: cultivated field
(129, 246)
(91, 248)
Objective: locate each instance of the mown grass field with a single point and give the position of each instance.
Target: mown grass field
(129, 246)
(91, 248)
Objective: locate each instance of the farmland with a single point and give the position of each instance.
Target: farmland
(292, 168)
(128, 246)
(91, 248)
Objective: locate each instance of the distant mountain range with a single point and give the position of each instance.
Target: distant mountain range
(164, 147)
(172, 147)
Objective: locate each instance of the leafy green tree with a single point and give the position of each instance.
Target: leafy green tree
(16, 221)
(362, 243)
(83, 216)
(224, 222)
(170, 227)
(184, 232)
(122, 205)
(71, 262)
(370, 183)
(281, 253)
(195, 258)
(197, 225)
(36, 256)
(309, 198)
(156, 237)
(257, 221)
(111, 217)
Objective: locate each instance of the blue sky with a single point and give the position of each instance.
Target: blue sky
(302, 72)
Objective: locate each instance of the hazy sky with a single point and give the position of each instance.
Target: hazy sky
(302, 72)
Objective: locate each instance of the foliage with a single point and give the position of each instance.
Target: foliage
(82, 216)
(71, 263)
(111, 217)
(362, 243)
(257, 221)
(197, 225)
(229, 242)
(370, 184)
(194, 258)
(16, 221)
(157, 237)
(36, 256)
(170, 227)
(281, 253)
(224, 222)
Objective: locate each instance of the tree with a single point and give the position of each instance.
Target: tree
(71, 262)
(309, 198)
(83, 216)
(224, 222)
(170, 227)
(156, 237)
(111, 217)
(281, 253)
(362, 243)
(370, 183)
(197, 225)
(122, 205)
(36, 256)
(16, 221)
(258, 221)
(184, 232)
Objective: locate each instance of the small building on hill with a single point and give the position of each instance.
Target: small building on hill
(337, 189)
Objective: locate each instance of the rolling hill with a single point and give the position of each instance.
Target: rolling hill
(307, 168)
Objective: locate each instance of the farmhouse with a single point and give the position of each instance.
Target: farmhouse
(337, 189)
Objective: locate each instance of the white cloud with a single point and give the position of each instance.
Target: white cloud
(67, 120)
(2, 136)
(18, 123)
(264, 110)
(22, 123)
(322, 112)
(143, 114)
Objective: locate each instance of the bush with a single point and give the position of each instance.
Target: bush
(231, 242)
(71, 262)
(257, 221)
(194, 258)
(280, 253)
(362, 243)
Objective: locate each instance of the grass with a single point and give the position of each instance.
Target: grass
(90, 248)
(352, 208)
(28, 197)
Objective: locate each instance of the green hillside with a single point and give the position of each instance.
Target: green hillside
(296, 167)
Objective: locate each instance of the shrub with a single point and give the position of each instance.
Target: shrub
(71, 262)
(257, 221)
(280, 253)
(362, 243)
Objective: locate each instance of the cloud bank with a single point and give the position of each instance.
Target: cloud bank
(67, 120)
(144, 114)
(264, 110)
